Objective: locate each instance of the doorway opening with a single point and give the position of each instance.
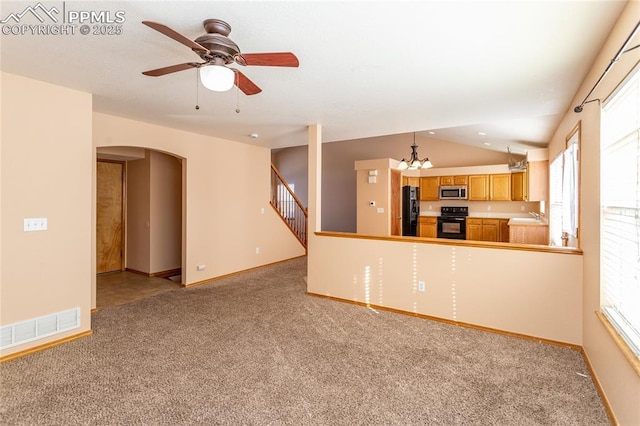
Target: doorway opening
(139, 224)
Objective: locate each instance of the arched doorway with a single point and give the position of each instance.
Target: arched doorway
(152, 225)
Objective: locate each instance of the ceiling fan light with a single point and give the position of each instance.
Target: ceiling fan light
(217, 77)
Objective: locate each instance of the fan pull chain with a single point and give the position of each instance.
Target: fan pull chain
(197, 88)
(237, 94)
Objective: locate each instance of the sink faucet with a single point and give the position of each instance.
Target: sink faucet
(536, 215)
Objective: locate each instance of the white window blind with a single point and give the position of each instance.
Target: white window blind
(555, 201)
(620, 206)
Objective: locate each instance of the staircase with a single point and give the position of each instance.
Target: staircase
(288, 206)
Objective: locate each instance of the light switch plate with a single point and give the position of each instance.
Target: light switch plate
(35, 224)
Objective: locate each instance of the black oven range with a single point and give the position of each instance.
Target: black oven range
(452, 223)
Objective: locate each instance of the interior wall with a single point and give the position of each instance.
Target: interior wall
(292, 165)
(619, 380)
(373, 219)
(46, 168)
(230, 225)
(138, 205)
(492, 288)
(165, 212)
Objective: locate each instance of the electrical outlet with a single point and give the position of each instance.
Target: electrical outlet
(420, 285)
(521, 208)
(257, 250)
(202, 267)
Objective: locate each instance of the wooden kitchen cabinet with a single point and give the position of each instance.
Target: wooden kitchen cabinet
(478, 187)
(500, 187)
(454, 180)
(410, 181)
(474, 228)
(428, 226)
(519, 187)
(529, 234)
(503, 234)
(488, 229)
(430, 188)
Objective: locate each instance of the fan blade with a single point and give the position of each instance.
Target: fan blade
(246, 85)
(168, 70)
(176, 36)
(281, 59)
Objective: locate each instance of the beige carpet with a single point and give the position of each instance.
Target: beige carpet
(254, 349)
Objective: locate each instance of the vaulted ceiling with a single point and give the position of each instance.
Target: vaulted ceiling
(508, 69)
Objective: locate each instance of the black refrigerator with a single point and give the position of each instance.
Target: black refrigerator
(410, 210)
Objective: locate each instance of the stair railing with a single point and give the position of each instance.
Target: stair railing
(288, 206)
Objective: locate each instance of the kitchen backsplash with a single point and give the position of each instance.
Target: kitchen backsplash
(482, 206)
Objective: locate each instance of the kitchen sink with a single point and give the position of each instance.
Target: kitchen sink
(524, 220)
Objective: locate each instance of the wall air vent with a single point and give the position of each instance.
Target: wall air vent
(38, 328)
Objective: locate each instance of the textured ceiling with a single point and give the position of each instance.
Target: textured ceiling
(367, 68)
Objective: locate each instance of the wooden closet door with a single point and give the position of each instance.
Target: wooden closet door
(109, 221)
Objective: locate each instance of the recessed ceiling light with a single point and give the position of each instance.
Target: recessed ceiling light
(482, 133)
(487, 143)
(254, 136)
(432, 132)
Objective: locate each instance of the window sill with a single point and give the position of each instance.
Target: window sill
(626, 351)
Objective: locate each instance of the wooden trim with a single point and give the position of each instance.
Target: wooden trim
(209, 280)
(577, 129)
(135, 271)
(39, 348)
(451, 322)
(275, 209)
(449, 242)
(166, 274)
(620, 342)
(94, 310)
(161, 274)
(600, 390)
(295, 197)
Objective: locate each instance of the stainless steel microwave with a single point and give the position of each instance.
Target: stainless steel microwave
(453, 192)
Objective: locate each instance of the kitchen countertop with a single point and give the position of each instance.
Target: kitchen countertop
(529, 221)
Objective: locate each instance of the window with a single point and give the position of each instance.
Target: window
(564, 172)
(620, 209)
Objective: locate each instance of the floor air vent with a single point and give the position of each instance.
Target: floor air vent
(38, 328)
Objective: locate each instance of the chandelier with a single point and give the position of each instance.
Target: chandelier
(414, 163)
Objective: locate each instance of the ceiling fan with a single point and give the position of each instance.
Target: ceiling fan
(217, 50)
